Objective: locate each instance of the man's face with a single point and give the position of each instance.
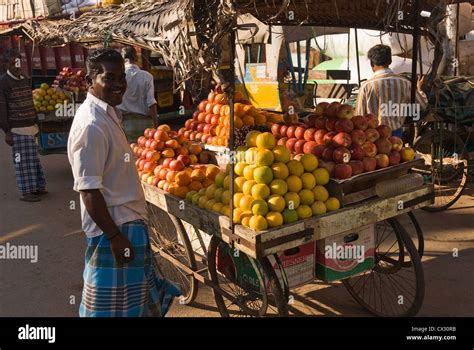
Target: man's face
(110, 84)
(14, 65)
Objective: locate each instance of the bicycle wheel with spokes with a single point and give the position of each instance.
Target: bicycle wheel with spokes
(446, 166)
(395, 285)
(168, 239)
(243, 286)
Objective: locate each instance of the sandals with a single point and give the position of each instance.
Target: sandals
(30, 197)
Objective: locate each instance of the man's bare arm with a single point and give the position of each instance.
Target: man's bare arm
(97, 208)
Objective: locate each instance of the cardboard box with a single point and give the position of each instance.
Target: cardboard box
(346, 254)
(53, 140)
(299, 267)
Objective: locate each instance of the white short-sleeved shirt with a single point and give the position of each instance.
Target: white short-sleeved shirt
(101, 158)
(140, 93)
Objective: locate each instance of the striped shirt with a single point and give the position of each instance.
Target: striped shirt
(388, 96)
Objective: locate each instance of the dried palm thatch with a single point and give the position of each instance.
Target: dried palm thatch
(188, 35)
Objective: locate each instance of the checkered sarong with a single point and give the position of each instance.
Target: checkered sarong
(28, 169)
(134, 125)
(124, 290)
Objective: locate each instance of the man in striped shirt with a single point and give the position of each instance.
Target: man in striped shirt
(388, 95)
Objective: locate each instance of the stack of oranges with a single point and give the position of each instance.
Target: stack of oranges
(211, 122)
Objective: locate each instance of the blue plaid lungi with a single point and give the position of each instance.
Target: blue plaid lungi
(124, 290)
(28, 170)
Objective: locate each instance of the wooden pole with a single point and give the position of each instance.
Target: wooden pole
(416, 42)
(231, 133)
(357, 55)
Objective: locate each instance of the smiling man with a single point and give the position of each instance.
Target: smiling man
(120, 279)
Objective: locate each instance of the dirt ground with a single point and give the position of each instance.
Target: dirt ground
(52, 286)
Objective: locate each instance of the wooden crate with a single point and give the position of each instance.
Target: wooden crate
(264, 243)
(362, 187)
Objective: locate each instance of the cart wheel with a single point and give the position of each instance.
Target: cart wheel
(395, 285)
(240, 279)
(167, 235)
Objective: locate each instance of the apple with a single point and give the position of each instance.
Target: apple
(370, 150)
(320, 123)
(276, 129)
(299, 132)
(184, 159)
(213, 130)
(341, 155)
(342, 171)
(205, 138)
(309, 146)
(331, 124)
(310, 119)
(155, 181)
(318, 150)
(407, 154)
(344, 125)
(358, 136)
(397, 143)
(357, 152)
(328, 165)
(331, 110)
(342, 139)
(370, 164)
(382, 160)
(290, 132)
(372, 135)
(161, 135)
(152, 156)
(327, 153)
(345, 112)
(215, 120)
(149, 166)
(357, 167)
(166, 162)
(200, 127)
(321, 108)
(327, 138)
(360, 122)
(309, 134)
(319, 135)
(207, 129)
(299, 145)
(394, 158)
(198, 136)
(284, 130)
(147, 143)
(290, 144)
(384, 131)
(282, 141)
(141, 164)
(181, 131)
(372, 120)
(195, 117)
(383, 145)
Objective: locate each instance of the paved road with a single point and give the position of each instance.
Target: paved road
(52, 286)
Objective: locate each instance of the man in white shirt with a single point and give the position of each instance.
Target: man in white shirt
(18, 121)
(138, 103)
(120, 278)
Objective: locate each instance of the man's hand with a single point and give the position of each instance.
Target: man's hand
(420, 83)
(9, 138)
(122, 249)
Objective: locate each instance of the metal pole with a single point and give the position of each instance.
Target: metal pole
(231, 133)
(456, 53)
(300, 81)
(348, 64)
(416, 39)
(357, 55)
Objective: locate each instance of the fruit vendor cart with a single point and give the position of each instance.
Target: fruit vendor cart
(250, 271)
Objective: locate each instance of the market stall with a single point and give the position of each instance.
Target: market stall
(251, 202)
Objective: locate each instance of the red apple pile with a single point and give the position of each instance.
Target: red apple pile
(71, 80)
(346, 145)
(163, 156)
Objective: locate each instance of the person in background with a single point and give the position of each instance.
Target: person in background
(138, 105)
(18, 121)
(120, 276)
(384, 87)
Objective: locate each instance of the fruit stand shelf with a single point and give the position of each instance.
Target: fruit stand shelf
(264, 243)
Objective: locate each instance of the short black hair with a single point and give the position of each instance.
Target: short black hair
(97, 57)
(129, 53)
(380, 55)
(9, 53)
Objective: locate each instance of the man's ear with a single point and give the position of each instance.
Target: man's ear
(89, 81)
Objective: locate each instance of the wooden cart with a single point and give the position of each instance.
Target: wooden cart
(394, 286)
